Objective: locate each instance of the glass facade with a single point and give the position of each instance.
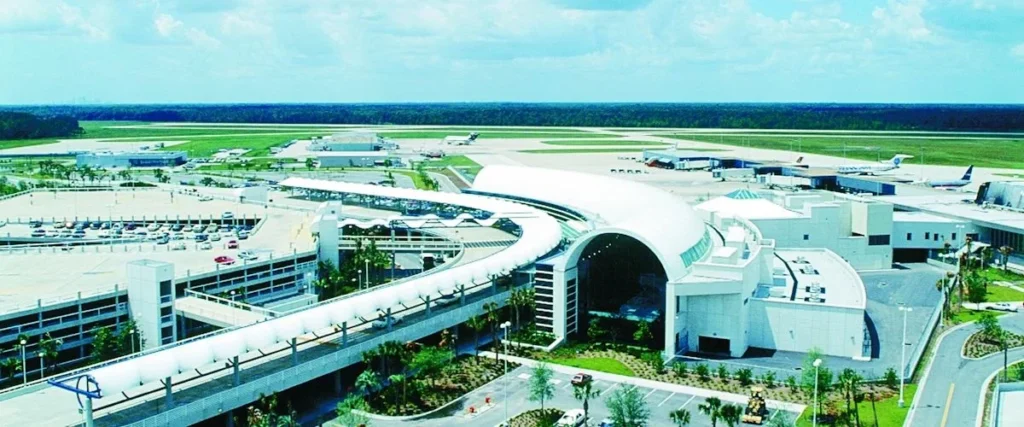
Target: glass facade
(697, 251)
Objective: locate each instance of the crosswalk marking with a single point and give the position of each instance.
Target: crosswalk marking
(666, 399)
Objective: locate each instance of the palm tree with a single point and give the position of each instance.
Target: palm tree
(584, 391)
(49, 348)
(491, 315)
(398, 380)
(680, 417)
(712, 407)
(1005, 252)
(477, 324)
(986, 256)
(731, 414)
(849, 385)
(370, 356)
(11, 365)
(367, 381)
(944, 285)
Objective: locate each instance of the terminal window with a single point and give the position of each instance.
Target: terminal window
(807, 236)
(910, 236)
(953, 236)
(927, 235)
(879, 240)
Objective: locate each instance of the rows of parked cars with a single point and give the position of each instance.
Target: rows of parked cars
(161, 233)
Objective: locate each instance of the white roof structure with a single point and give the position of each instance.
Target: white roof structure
(749, 208)
(662, 221)
(823, 268)
(540, 234)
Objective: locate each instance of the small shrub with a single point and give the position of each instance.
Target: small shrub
(703, 372)
(791, 382)
(745, 376)
(722, 372)
(891, 379)
(653, 359)
(769, 379)
(680, 369)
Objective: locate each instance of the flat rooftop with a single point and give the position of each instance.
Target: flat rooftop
(954, 205)
(817, 269)
(921, 217)
(53, 275)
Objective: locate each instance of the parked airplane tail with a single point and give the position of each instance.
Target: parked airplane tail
(897, 159)
(473, 135)
(967, 175)
(799, 160)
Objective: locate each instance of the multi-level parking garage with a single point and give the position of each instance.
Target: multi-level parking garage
(717, 287)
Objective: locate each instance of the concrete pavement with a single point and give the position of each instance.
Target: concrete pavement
(950, 392)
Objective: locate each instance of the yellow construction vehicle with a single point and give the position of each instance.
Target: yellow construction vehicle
(756, 409)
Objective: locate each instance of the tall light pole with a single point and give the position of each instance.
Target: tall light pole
(366, 265)
(903, 349)
(24, 366)
(504, 327)
(814, 418)
(359, 277)
(131, 337)
(960, 237)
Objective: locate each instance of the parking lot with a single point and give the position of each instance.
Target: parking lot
(660, 401)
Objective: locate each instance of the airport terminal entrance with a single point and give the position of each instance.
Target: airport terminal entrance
(621, 289)
(712, 345)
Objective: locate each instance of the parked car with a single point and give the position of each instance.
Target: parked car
(571, 418)
(178, 236)
(227, 215)
(52, 233)
(446, 299)
(177, 227)
(58, 225)
(382, 323)
(35, 224)
(205, 198)
(163, 240)
(178, 246)
(39, 232)
(187, 228)
(232, 244)
(104, 234)
(200, 237)
(79, 234)
(212, 228)
(581, 378)
(215, 237)
(153, 227)
(154, 236)
(248, 255)
(1004, 306)
(607, 422)
(224, 260)
(95, 225)
(224, 229)
(105, 226)
(130, 226)
(242, 235)
(205, 246)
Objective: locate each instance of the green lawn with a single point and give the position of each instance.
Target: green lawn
(259, 144)
(965, 315)
(998, 293)
(602, 364)
(988, 152)
(102, 129)
(604, 142)
(504, 134)
(889, 412)
(468, 129)
(993, 274)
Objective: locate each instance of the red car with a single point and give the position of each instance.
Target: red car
(232, 244)
(224, 260)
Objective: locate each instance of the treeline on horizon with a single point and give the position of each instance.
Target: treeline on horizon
(924, 117)
(15, 125)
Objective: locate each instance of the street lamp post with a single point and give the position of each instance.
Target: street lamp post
(814, 418)
(903, 350)
(24, 366)
(505, 326)
(131, 337)
(359, 277)
(366, 264)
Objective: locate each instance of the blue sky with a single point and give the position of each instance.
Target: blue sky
(156, 51)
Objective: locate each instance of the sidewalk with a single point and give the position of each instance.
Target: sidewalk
(657, 385)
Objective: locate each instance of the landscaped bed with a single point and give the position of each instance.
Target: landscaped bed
(981, 345)
(424, 393)
(537, 417)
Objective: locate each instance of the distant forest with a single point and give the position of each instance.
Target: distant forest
(28, 126)
(935, 117)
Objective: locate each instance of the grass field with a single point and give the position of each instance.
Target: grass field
(602, 364)
(98, 130)
(604, 142)
(889, 411)
(965, 316)
(998, 293)
(993, 273)
(258, 144)
(503, 134)
(989, 152)
(468, 129)
(459, 162)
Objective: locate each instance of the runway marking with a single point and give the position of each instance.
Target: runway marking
(666, 399)
(649, 394)
(949, 399)
(688, 402)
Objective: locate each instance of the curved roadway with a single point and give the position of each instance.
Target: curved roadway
(950, 393)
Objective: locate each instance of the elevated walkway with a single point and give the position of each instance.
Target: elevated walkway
(219, 312)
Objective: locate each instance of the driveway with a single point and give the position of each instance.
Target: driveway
(950, 391)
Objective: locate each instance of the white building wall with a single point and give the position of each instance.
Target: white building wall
(790, 326)
(145, 280)
(928, 235)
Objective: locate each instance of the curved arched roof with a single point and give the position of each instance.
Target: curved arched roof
(663, 221)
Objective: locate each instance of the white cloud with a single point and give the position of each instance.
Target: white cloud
(173, 29)
(903, 18)
(50, 17)
(1018, 51)
(244, 24)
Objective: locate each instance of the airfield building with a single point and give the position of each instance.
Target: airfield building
(139, 159)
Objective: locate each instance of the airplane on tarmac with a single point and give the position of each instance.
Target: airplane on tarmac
(461, 140)
(952, 183)
(872, 168)
(433, 154)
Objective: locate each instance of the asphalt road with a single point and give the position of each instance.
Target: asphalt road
(950, 392)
